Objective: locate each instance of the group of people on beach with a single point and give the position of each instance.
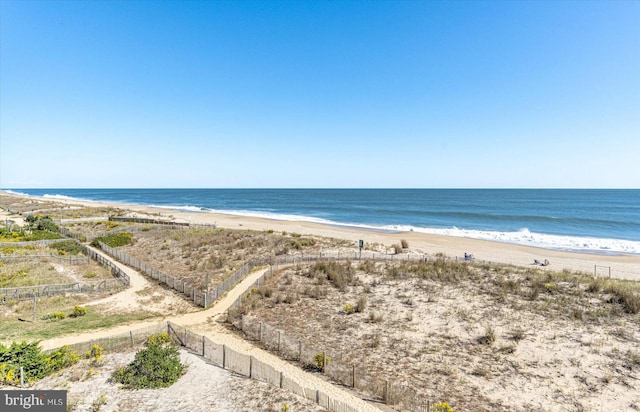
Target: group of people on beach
(468, 256)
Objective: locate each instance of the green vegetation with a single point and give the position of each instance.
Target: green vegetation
(12, 328)
(38, 228)
(67, 247)
(78, 311)
(156, 366)
(36, 365)
(39, 222)
(320, 360)
(113, 240)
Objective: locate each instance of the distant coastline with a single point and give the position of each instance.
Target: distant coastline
(463, 213)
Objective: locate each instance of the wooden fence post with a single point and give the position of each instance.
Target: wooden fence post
(251, 366)
(131, 334)
(224, 359)
(353, 381)
(386, 392)
(281, 379)
(203, 340)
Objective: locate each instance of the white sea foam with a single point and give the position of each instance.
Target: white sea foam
(185, 208)
(522, 237)
(60, 197)
(525, 237)
(13, 192)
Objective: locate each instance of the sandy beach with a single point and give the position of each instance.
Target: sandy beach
(619, 266)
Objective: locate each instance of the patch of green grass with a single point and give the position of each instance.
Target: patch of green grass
(67, 247)
(12, 328)
(113, 240)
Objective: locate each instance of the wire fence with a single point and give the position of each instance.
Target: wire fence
(73, 260)
(29, 292)
(33, 242)
(251, 367)
(120, 342)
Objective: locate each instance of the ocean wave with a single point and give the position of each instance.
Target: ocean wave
(521, 237)
(275, 216)
(528, 238)
(60, 197)
(13, 192)
(186, 208)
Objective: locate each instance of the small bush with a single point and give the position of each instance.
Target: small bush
(404, 244)
(441, 407)
(78, 311)
(349, 309)
(113, 240)
(159, 339)
(319, 360)
(95, 353)
(67, 247)
(36, 365)
(54, 316)
(156, 366)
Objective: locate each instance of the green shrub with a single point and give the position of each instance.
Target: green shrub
(54, 316)
(36, 365)
(319, 360)
(349, 309)
(78, 311)
(156, 366)
(67, 247)
(113, 240)
(159, 339)
(95, 353)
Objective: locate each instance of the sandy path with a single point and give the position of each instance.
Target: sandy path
(204, 322)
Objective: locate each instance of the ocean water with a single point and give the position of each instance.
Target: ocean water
(598, 221)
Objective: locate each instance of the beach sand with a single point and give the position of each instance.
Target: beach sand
(618, 266)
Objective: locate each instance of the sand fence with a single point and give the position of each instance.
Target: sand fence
(251, 367)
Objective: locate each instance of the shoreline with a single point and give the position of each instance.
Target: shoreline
(623, 266)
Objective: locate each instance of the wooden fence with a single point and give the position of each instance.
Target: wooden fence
(28, 292)
(249, 366)
(73, 260)
(199, 297)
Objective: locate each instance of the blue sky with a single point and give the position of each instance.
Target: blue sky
(319, 94)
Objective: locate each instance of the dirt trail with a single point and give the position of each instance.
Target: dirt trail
(204, 322)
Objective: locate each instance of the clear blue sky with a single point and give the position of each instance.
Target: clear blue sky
(319, 94)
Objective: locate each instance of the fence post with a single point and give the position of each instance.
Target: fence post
(353, 381)
(251, 366)
(131, 334)
(281, 379)
(21, 377)
(224, 359)
(203, 345)
(299, 351)
(185, 338)
(386, 392)
(324, 361)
